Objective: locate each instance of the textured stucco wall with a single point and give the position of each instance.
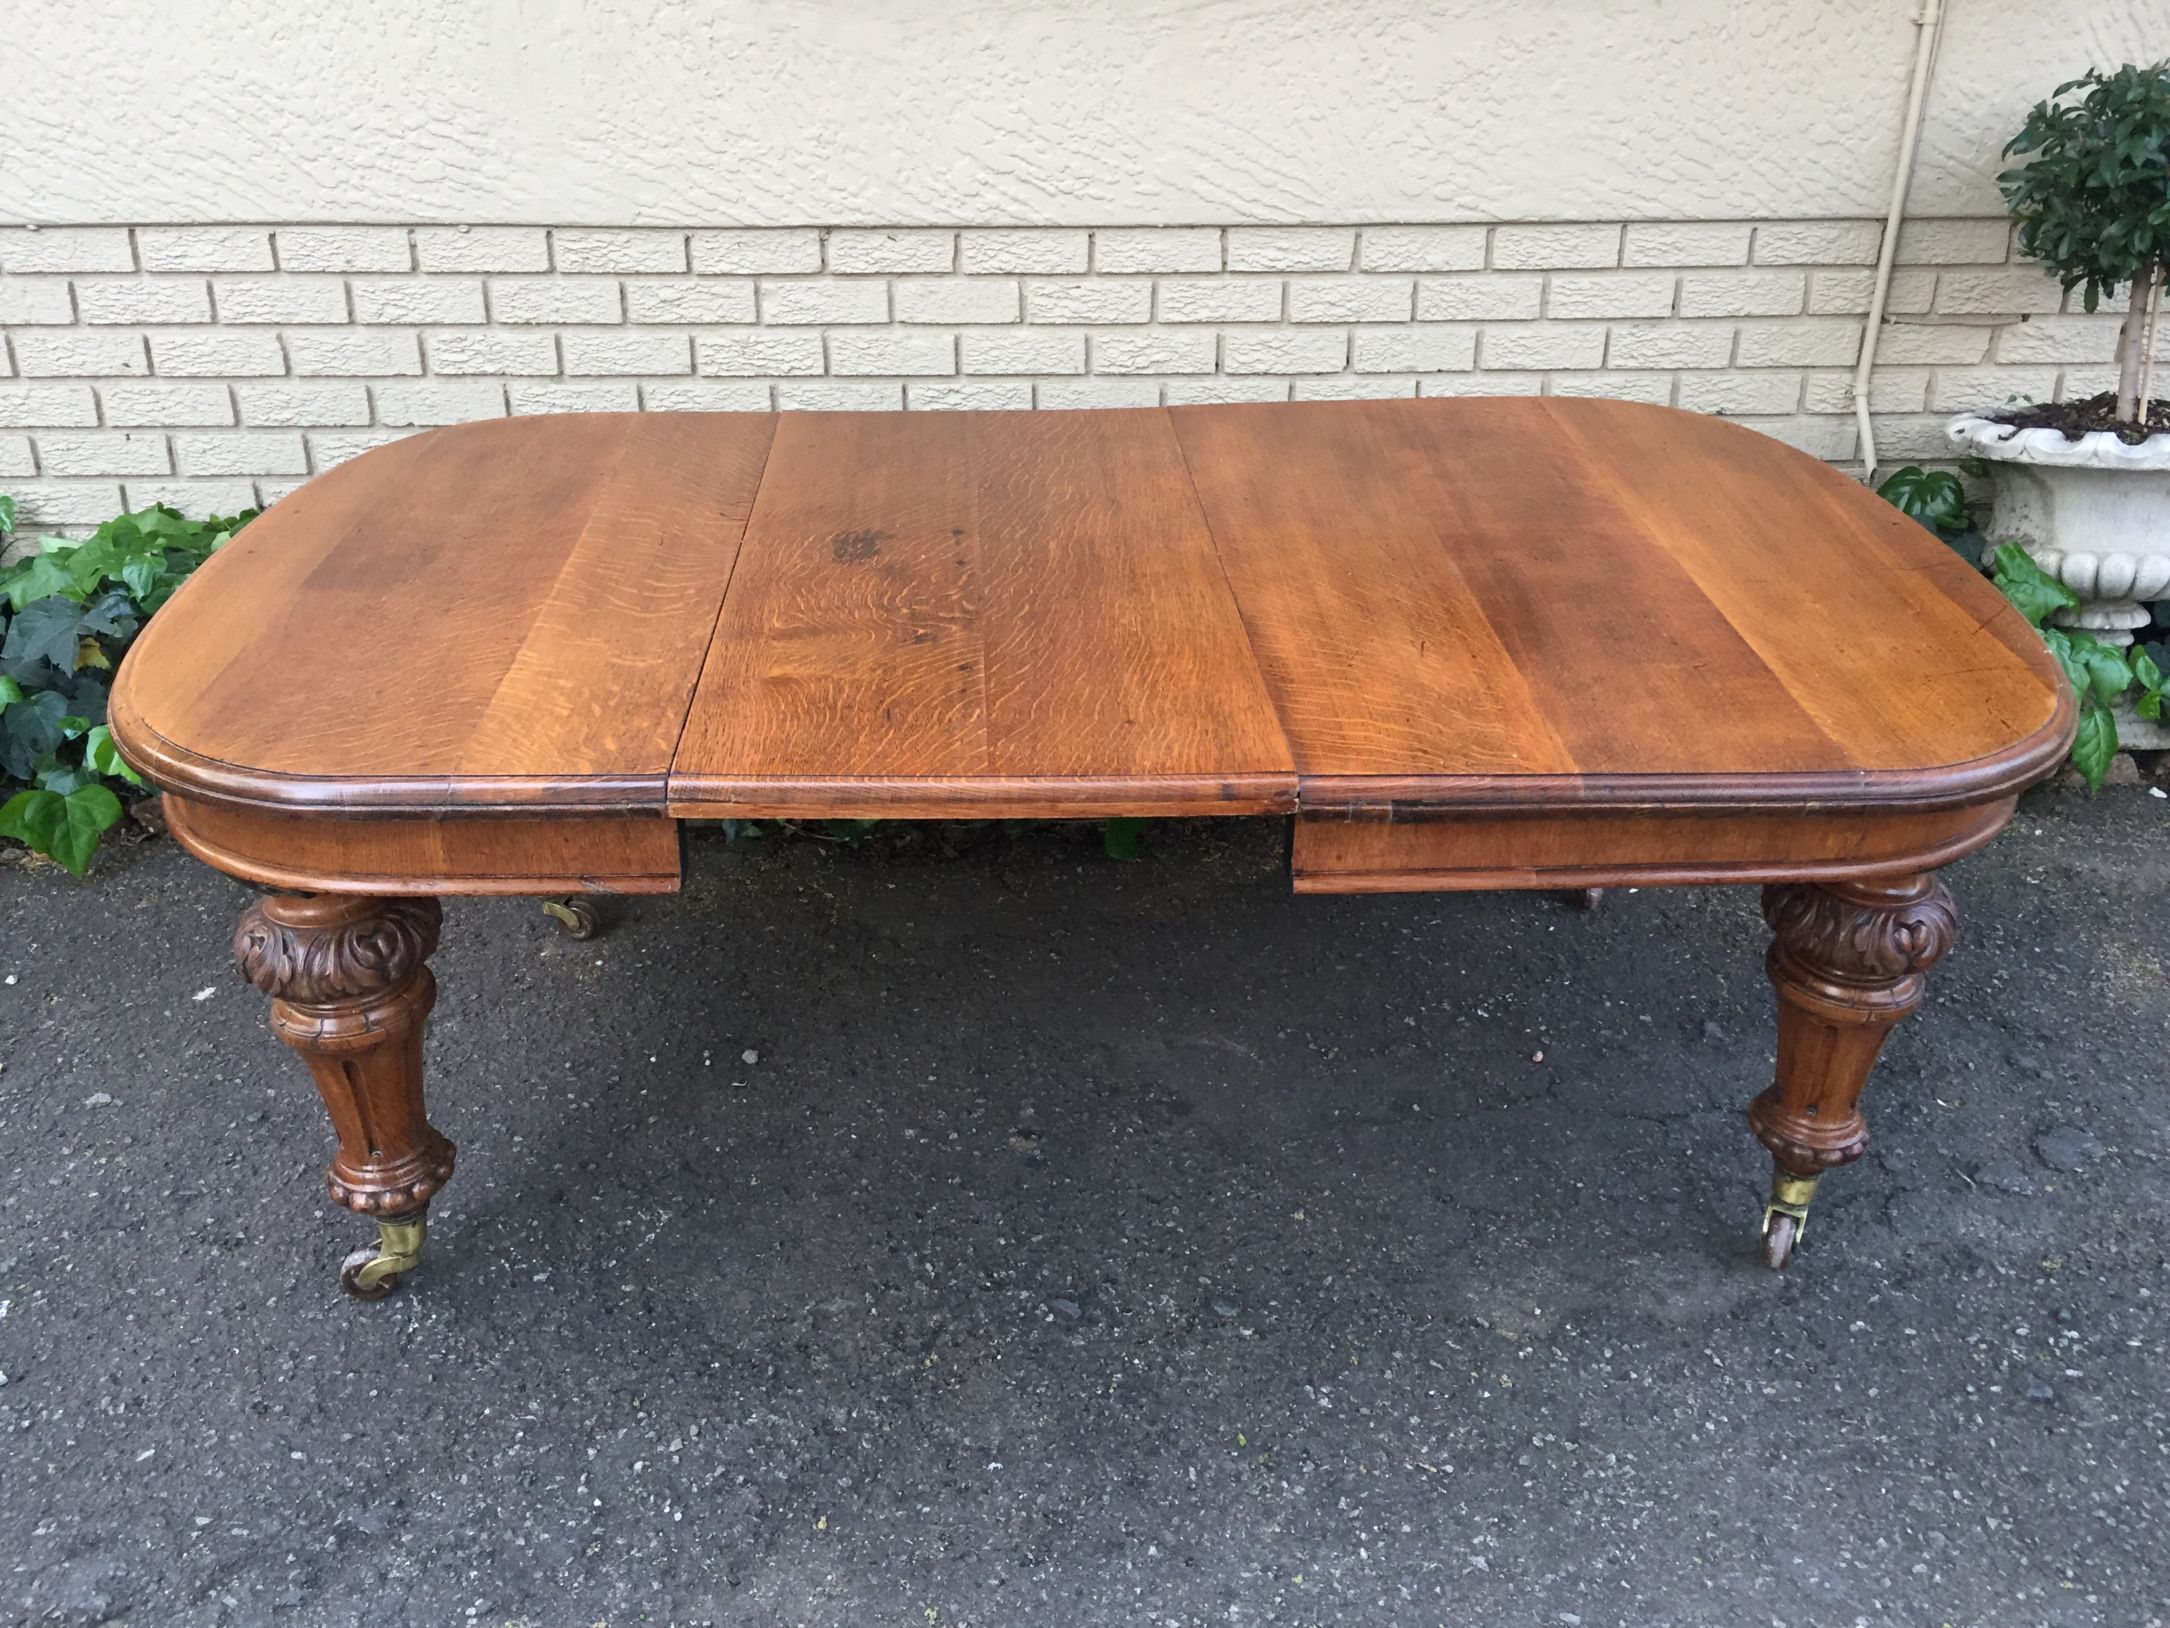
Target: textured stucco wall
(272, 233)
(1101, 112)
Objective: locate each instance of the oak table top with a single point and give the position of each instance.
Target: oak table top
(1399, 607)
(1465, 644)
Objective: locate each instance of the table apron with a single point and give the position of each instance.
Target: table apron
(465, 853)
(1629, 847)
(388, 856)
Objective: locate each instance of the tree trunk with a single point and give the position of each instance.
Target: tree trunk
(2132, 347)
(2148, 331)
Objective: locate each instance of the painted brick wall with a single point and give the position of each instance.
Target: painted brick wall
(213, 367)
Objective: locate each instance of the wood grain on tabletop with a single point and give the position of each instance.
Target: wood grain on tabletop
(1543, 599)
(979, 613)
(1409, 604)
(507, 612)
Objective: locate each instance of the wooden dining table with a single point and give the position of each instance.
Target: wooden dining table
(1459, 644)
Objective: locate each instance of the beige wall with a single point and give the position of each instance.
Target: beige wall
(272, 233)
(974, 112)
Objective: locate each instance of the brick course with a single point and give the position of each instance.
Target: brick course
(207, 363)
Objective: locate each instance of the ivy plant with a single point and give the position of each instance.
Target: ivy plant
(67, 614)
(2100, 673)
(2093, 198)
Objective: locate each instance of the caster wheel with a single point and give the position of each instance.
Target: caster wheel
(1590, 898)
(575, 916)
(355, 1278)
(1779, 1241)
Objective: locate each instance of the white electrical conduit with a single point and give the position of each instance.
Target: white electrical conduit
(1928, 24)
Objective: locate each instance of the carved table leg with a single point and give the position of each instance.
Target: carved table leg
(350, 992)
(1847, 960)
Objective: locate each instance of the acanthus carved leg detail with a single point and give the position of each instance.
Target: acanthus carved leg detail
(1847, 960)
(350, 991)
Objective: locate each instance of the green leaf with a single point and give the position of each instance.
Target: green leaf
(161, 520)
(141, 576)
(64, 777)
(1123, 837)
(2032, 590)
(2145, 672)
(112, 613)
(2107, 676)
(10, 691)
(2090, 194)
(38, 577)
(31, 728)
(86, 693)
(2095, 745)
(2060, 645)
(50, 630)
(2148, 674)
(105, 758)
(1968, 545)
(7, 515)
(1934, 497)
(89, 564)
(30, 817)
(65, 827)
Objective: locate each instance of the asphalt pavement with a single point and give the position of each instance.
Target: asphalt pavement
(964, 1230)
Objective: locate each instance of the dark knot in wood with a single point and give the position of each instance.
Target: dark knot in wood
(325, 949)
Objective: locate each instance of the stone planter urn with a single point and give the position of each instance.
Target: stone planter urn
(2095, 514)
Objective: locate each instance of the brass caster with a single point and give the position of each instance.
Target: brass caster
(373, 1273)
(574, 914)
(1780, 1234)
(1785, 1218)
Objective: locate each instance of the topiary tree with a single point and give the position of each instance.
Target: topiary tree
(2093, 201)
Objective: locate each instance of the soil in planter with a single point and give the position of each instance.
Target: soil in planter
(2078, 418)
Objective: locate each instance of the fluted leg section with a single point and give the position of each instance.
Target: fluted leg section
(350, 991)
(1847, 960)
